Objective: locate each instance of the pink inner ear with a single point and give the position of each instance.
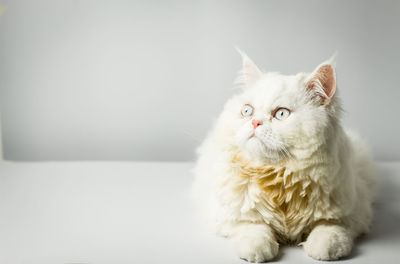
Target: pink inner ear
(327, 79)
(251, 73)
(326, 76)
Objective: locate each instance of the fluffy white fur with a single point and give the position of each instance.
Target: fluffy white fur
(302, 180)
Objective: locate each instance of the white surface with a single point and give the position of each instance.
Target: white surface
(131, 80)
(115, 212)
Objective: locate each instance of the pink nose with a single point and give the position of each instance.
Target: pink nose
(256, 123)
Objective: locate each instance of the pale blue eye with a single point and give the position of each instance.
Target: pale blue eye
(282, 114)
(247, 110)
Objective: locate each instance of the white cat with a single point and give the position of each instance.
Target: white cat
(278, 167)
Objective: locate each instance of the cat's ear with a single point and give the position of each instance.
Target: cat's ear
(250, 73)
(322, 82)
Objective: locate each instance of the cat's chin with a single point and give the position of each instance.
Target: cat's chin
(257, 150)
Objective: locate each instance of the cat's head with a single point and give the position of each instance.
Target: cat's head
(277, 117)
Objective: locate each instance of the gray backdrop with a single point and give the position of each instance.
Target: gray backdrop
(144, 80)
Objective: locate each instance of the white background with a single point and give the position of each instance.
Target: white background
(144, 80)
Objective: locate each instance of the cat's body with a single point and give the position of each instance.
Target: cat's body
(264, 178)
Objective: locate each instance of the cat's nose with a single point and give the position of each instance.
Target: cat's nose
(256, 123)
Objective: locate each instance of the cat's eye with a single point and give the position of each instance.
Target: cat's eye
(247, 110)
(282, 113)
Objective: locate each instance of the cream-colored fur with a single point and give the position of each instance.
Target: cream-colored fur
(302, 180)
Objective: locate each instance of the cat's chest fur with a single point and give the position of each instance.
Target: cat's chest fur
(280, 197)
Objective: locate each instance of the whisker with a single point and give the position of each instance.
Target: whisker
(191, 136)
(286, 151)
(288, 154)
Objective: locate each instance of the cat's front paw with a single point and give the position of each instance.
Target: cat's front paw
(256, 249)
(328, 242)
